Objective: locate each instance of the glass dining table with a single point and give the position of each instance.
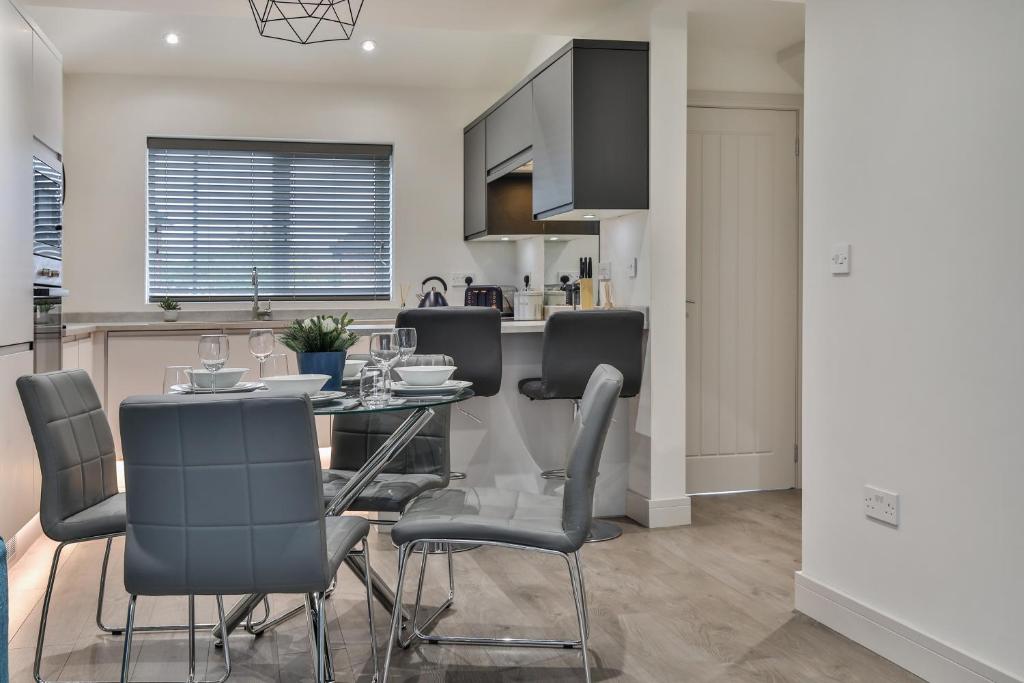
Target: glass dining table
(421, 410)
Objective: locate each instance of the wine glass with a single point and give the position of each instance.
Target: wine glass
(213, 353)
(406, 342)
(261, 345)
(384, 349)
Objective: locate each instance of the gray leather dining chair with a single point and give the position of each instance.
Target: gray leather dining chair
(225, 498)
(79, 500)
(515, 519)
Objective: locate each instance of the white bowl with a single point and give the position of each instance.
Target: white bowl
(425, 375)
(353, 368)
(225, 377)
(296, 384)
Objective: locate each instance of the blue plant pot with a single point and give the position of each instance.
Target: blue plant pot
(324, 363)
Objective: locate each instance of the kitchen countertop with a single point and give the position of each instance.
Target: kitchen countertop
(363, 328)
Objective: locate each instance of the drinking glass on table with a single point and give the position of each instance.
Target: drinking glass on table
(213, 353)
(261, 345)
(406, 342)
(177, 376)
(374, 386)
(275, 365)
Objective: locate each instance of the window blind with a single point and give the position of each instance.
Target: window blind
(314, 218)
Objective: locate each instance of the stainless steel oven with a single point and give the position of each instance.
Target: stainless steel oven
(47, 252)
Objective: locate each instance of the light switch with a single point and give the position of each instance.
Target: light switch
(841, 258)
(604, 270)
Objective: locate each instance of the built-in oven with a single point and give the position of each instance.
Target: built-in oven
(47, 252)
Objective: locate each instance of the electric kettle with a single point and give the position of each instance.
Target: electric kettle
(433, 297)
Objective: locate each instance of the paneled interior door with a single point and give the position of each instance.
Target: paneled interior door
(742, 299)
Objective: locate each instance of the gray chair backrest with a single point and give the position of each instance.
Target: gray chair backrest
(74, 445)
(592, 423)
(355, 437)
(576, 342)
(469, 334)
(223, 496)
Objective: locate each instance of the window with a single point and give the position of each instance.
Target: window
(314, 218)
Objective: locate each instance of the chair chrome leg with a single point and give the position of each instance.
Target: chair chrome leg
(580, 600)
(191, 639)
(583, 589)
(369, 612)
(416, 629)
(396, 615)
(316, 620)
(46, 611)
(129, 626)
(103, 590)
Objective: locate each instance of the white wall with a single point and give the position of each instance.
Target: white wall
(108, 118)
(735, 69)
(914, 363)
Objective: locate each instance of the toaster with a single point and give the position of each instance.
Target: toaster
(492, 296)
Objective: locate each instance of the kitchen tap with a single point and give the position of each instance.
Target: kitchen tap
(257, 312)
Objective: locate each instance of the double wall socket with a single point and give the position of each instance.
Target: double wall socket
(882, 505)
(458, 278)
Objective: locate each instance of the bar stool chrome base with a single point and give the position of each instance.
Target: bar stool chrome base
(602, 530)
(557, 474)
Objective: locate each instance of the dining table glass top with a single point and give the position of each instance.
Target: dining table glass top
(345, 406)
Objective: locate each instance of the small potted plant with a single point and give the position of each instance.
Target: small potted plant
(321, 343)
(171, 308)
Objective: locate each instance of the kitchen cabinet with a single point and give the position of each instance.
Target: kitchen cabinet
(508, 131)
(77, 354)
(20, 480)
(47, 95)
(590, 128)
(15, 177)
(581, 118)
(474, 191)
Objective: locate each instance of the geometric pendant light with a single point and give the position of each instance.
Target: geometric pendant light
(306, 21)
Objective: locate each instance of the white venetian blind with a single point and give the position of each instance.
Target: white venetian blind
(314, 218)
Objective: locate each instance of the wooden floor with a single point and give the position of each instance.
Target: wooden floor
(709, 602)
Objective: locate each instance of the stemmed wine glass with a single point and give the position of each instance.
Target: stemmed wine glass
(384, 349)
(261, 345)
(406, 342)
(213, 353)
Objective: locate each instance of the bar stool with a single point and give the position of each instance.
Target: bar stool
(575, 343)
(471, 335)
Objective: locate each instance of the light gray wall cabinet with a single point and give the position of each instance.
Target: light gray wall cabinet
(582, 119)
(47, 95)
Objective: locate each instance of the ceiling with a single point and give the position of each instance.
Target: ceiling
(486, 44)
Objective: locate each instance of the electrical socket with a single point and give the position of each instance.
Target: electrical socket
(882, 505)
(458, 278)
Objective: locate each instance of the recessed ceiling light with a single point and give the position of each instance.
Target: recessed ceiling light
(172, 39)
(505, 239)
(369, 46)
(589, 216)
(552, 239)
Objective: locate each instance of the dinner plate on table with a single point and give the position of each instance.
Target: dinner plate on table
(240, 388)
(452, 386)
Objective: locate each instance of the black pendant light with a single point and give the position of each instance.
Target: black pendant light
(306, 21)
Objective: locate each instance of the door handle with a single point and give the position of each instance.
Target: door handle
(690, 301)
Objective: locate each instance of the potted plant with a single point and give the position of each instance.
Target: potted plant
(171, 308)
(321, 343)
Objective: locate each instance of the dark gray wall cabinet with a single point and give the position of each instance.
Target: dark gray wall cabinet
(582, 119)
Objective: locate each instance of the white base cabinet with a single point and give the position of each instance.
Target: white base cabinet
(19, 469)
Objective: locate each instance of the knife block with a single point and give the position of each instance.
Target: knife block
(586, 293)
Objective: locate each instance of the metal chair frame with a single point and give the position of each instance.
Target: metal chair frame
(572, 560)
(48, 595)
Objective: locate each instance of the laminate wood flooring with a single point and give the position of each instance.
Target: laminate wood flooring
(712, 602)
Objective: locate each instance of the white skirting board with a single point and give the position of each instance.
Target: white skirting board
(915, 651)
(657, 514)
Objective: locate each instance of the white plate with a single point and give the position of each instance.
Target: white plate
(239, 388)
(452, 386)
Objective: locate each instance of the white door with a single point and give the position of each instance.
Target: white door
(742, 300)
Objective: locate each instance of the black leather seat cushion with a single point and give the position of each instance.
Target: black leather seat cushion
(343, 534)
(533, 388)
(387, 493)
